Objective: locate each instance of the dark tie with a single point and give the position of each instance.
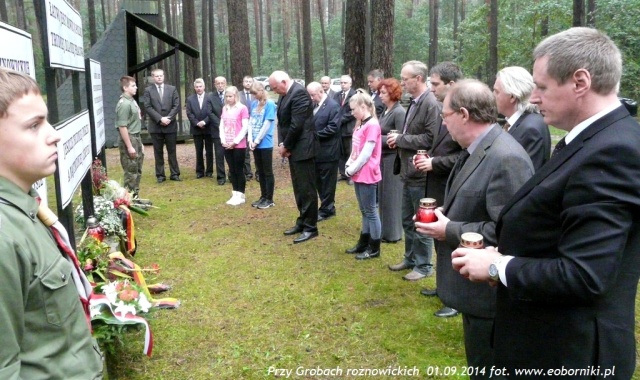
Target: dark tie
(561, 144)
(160, 91)
(344, 96)
(248, 96)
(462, 158)
(221, 96)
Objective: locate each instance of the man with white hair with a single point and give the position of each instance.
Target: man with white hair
(512, 90)
(325, 81)
(298, 142)
(346, 123)
(324, 119)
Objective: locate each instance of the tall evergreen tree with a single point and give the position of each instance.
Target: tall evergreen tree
(354, 42)
(239, 46)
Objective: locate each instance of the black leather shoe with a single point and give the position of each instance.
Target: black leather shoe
(198, 176)
(221, 182)
(429, 292)
(305, 236)
(325, 217)
(293, 230)
(160, 179)
(209, 175)
(446, 312)
(367, 255)
(175, 178)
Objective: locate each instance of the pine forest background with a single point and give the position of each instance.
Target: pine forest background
(312, 38)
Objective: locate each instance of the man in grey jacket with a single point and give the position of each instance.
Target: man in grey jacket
(421, 120)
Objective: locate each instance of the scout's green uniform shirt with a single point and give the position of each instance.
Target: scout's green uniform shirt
(43, 330)
(128, 113)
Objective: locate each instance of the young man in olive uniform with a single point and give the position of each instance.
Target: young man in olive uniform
(128, 122)
(45, 332)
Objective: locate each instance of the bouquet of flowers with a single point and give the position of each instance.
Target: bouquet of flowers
(118, 304)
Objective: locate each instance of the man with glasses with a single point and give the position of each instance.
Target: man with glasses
(420, 122)
(442, 157)
(490, 169)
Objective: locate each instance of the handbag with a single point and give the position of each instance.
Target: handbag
(396, 164)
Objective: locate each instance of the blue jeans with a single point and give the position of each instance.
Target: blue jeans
(366, 195)
(418, 248)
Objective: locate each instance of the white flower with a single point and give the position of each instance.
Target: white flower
(124, 309)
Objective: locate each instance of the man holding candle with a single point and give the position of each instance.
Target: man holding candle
(490, 169)
(567, 264)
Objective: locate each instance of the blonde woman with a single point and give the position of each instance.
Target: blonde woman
(363, 167)
(263, 114)
(233, 130)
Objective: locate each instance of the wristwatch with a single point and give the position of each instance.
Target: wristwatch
(494, 273)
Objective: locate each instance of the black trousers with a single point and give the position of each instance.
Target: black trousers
(477, 344)
(204, 146)
(160, 140)
(326, 177)
(219, 153)
(235, 160)
(247, 163)
(345, 152)
(264, 169)
(303, 175)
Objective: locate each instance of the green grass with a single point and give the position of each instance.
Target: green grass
(252, 300)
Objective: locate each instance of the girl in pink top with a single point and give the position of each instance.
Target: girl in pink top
(363, 167)
(234, 123)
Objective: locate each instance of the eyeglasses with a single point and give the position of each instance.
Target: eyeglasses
(445, 115)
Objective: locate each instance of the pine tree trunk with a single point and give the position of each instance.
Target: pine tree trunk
(591, 13)
(212, 41)
(382, 35)
(21, 21)
(433, 32)
(308, 48)
(239, 42)
(190, 33)
(492, 66)
(270, 9)
(206, 67)
(354, 45)
(258, 27)
(4, 16)
(325, 51)
(285, 37)
(578, 12)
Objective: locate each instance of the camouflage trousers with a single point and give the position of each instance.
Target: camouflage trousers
(132, 167)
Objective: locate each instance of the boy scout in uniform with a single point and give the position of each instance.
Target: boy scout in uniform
(45, 332)
(128, 122)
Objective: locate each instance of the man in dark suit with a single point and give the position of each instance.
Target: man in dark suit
(326, 87)
(162, 104)
(442, 155)
(298, 142)
(568, 263)
(198, 113)
(422, 118)
(373, 80)
(246, 99)
(487, 173)
(324, 118)
(512, 89)
(216, 99)
(346, 123)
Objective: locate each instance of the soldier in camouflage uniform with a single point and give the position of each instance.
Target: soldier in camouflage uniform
(128, 122)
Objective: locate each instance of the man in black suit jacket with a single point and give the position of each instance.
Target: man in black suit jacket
(324, 118)
(298, 142)
(326, 87)
(162, 104)
(346, 123)
(442, 155)
(488, 172)
(568, 263)
(216, 99)
(198, 113)
(373, 80)
(512, 89)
